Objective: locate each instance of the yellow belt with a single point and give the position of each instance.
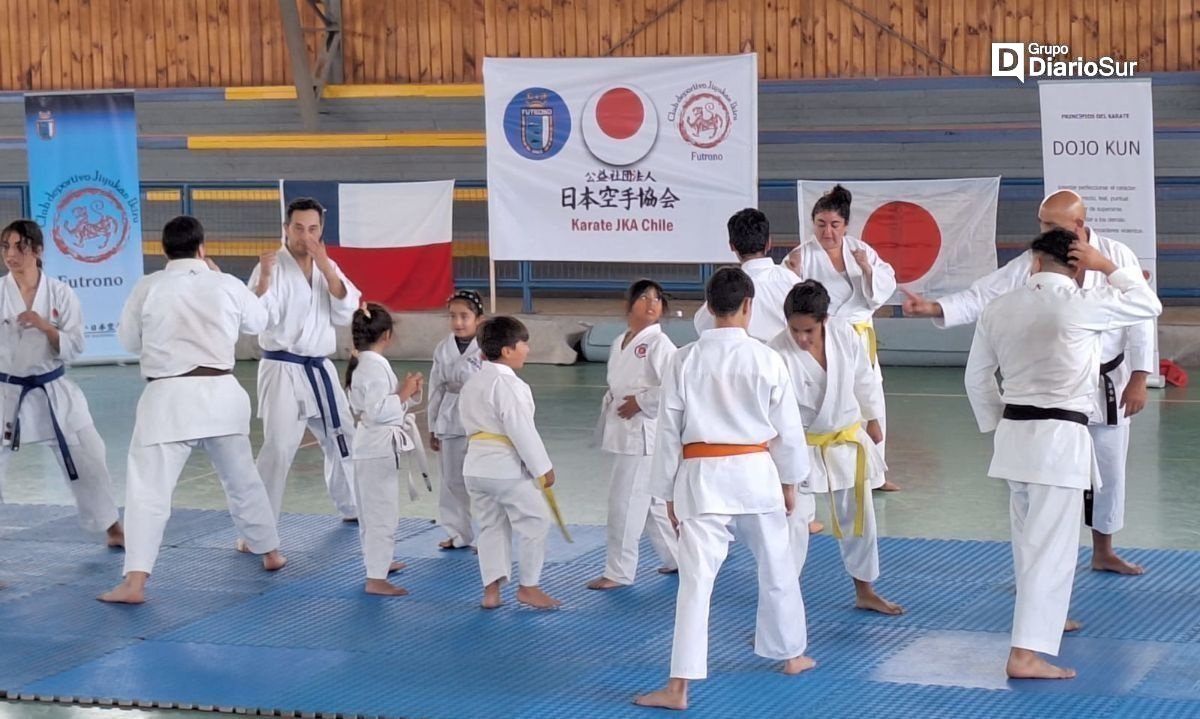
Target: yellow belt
(845, 435)
(867, 328)
(547, 492)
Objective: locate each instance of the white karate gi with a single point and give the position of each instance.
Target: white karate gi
(851, 297)
(845, 394)
(727, 388)
(25, 352)
(302, 316)
(500, 476)
(386, 433)
(1045, 339)
(451, 369)
(181, 318)
(1135, 344)
(772, 283)
(636, 369)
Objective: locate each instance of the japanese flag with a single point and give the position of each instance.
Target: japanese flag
(939, 235)
(620, 124)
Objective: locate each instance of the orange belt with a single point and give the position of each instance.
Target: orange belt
(698, 450)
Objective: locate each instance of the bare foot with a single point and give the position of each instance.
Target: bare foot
(350, 520)
(1072, 626)
(815, 527)
(674, 696)
(384, 588)
(604, 583)
(130, 591)
(889, 486)
(1113, 563)
(273, 561)
(491, 596)
(866, 598)
(1025, 664)
(116, 536)
(396, 566)
(796, 665)
(447, 544)
(668, 570)
(241, 546)
(536, 598)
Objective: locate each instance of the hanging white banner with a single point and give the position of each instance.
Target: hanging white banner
(619, 159)
(1098, 140)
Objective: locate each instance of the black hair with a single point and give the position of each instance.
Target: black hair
(638, 288)
(1056, 245)
(301, 204)
(182, 237)
(29, 236)
(727, 289)
(370, 322)
(836, 200)
(749, 232)
(471, 297)
(500, 332)
(807, 298)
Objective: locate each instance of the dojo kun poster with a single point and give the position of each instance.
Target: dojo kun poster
(619, 159)
(85, 195)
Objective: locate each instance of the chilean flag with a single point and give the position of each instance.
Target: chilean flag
(392, 239)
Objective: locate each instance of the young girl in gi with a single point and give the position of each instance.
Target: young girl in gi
(455, 359)
(386, 431)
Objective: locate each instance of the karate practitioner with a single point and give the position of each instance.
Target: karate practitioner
(455, 359)
(1045, 339)
(387, 432)
(306, 296)
(1126, 360)
(184, 321)
(41, 329)
(729, 454)
(628, 421)
(857, 280)
(750, 239)
(505, 460)
(840, 398)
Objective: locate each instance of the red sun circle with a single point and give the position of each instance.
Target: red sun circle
(906, 237)
(619, 113)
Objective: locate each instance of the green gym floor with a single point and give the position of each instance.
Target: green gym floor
(935, 453)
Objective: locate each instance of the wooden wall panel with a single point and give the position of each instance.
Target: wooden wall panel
(80, 44)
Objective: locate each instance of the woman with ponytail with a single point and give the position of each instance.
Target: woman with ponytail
(857, 280)
(386, 431)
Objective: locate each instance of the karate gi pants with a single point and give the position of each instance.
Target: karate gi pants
(454, 503)
(1112, 451)
(93, 491)
(631, 510)
(805, 512)
(860, 555)
(150, 478)
(283, 430)
(377, 486)
(1045, 544)
(780, 629)
(502, 507)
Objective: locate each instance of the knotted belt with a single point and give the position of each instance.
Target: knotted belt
(1110, 388)
(867, 327)
(845, 435)
(547, 492)
(27, 385)
(312, 365)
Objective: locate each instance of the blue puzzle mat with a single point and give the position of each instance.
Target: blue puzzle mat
(219, 633)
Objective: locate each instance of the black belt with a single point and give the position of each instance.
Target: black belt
(27, 385)
(1110, 388)
(1024, 412)
(198, 372)
(312, 366)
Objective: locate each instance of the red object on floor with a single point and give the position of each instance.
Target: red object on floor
(1173, 373)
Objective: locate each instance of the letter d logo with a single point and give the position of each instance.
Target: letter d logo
(1008, 60)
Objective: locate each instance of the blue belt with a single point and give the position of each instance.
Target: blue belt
(311, 366)
(27, 385)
